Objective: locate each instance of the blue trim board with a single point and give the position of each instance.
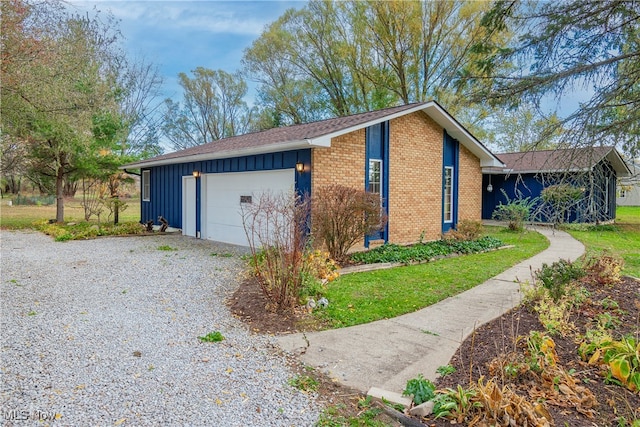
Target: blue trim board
(377, 148)
(450, 158)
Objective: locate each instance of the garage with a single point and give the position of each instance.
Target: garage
(222, 194)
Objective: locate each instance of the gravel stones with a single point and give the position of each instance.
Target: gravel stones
(105, 332)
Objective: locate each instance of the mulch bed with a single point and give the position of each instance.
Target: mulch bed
(489, 341)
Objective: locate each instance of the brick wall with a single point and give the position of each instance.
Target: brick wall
(415, 178)
(470, 187)
(415, 175)
(342, 164)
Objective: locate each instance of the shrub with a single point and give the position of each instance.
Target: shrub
(467, 230)
(342, 216)
(557, 276)
(318, 269)
(33, 200)
(604, 269)
(515, 212)
(276, 228)
(559, 199)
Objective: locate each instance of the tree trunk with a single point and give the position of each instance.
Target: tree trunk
(60, 195)
(70, 188)
(116, 210)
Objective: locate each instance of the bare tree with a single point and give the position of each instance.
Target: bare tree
(213, 108)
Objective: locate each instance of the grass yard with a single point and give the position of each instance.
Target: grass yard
(622, 240)
(23, 216)
(365, 297)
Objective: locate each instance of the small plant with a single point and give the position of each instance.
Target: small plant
(445, 370)
(608, 304)
(166, 248)
(215, 336)
(455, 403)
(515, 212)
(622, 358)
(604, 269)
(304, 383)
(542, 351)
(222, 255)
(557, 276)
(421, 389)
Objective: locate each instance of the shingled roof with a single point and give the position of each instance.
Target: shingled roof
(317, 134)
(562, 160)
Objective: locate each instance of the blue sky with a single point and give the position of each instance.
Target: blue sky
(179, 36)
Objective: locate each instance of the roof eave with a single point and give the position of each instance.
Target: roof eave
(620, 166)
(441, 117)
(271, 148)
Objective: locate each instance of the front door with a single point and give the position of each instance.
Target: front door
(189, 206)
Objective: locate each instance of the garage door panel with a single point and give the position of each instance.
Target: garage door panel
(223, 220)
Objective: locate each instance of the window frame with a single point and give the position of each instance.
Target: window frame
(372, 171)
(145, 185)
(448, 194)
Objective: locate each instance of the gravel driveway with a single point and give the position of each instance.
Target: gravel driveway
(105, 332)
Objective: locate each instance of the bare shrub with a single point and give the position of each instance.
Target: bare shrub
(93, 194)
(276, 226)
(467, 230)
(342, 216)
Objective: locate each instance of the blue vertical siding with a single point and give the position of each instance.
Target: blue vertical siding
(166, 181)
(377, 148)
(517, 186)
(450, 157)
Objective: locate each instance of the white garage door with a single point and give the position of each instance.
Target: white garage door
(221, 216)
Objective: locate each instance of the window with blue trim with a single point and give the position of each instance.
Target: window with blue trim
(375, 176)
(146, 185)
(448, 194)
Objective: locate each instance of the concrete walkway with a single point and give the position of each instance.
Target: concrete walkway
(387, 353)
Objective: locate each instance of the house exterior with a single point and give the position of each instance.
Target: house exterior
(629, 186)
(425, 165)
(591, 173)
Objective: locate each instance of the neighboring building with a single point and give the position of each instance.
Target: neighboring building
(629, 187)
(589, 173)
(424, 164)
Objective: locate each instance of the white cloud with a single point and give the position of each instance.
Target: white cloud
(215, 17)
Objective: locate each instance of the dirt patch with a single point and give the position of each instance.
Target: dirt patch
(249, 304)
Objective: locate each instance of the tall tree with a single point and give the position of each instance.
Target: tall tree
(60, 73)
(213, 108)
(568, 48)
(355, 56)
(522, 129)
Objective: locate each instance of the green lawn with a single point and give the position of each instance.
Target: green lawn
(622, 240)
(364, 297)
(23, 216)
